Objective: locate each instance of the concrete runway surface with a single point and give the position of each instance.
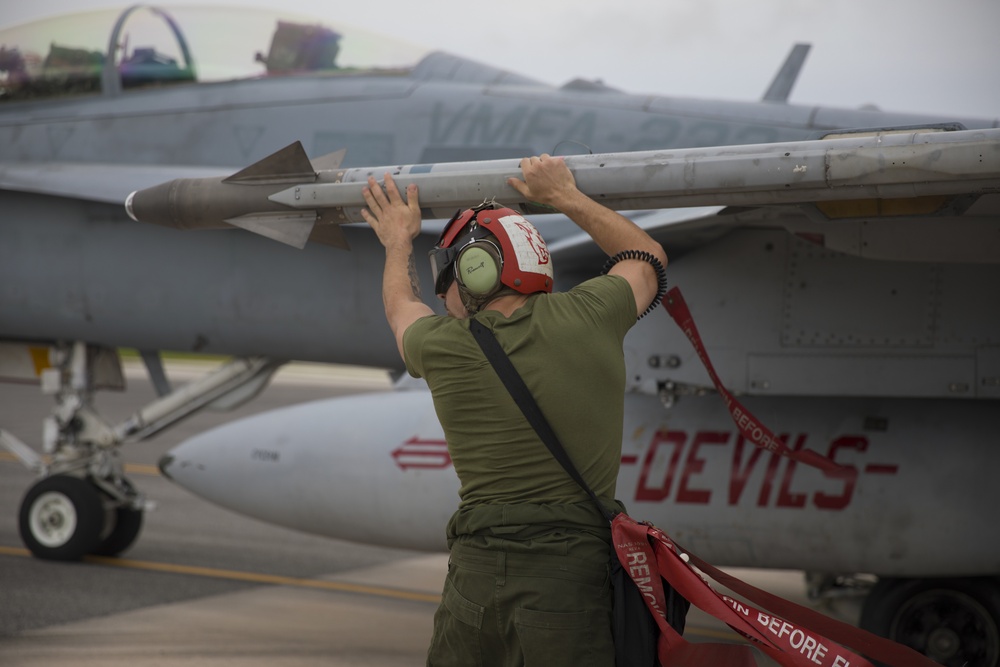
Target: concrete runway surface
(203, 586)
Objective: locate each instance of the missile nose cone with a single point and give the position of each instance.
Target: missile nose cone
(128, 206)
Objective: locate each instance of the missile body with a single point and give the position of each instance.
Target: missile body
(242, 200)
(202, 203)
(285, 192)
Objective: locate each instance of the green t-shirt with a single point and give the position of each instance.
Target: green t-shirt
(568, 349)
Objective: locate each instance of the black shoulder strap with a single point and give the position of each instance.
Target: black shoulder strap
(522, 397)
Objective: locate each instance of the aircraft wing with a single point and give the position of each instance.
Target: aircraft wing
(94, 181)
(960, 228)
(678, 229)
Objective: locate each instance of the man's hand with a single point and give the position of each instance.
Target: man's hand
(393, 220)
(547, 180)
(396, 223)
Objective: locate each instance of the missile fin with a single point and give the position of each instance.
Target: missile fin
(289, 165)
(292, 229)
(330, 161)
(328, 232)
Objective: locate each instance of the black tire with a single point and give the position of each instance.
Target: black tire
(61, 518)
(128, 523)
(955, 622)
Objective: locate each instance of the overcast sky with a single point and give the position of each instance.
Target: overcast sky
(940, 56)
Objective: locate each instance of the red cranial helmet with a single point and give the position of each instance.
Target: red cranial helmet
(488, 249)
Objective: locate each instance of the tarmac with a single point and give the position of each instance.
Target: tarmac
(206, 588)
(386, 621)
(371, 617)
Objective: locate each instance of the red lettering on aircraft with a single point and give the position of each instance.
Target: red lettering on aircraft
(850, 476)
(739, 476)
(685, 457)
(765, 488)
(694, 465)
(660, 491)
(422, 454)
(786, 498)
(878, 469)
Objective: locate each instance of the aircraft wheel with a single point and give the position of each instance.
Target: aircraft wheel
(955, 622)
(128, 523)
(122, 527)
(61, 518)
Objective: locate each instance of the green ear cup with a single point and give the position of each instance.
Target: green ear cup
(478, 270)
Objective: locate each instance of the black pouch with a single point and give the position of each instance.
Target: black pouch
(633, 626)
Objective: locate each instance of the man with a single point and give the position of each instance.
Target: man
(528, 580)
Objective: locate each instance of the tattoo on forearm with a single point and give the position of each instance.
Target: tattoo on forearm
(411, 266)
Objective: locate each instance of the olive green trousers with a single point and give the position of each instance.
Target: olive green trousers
(510, 610)
(513, 609)
(528, 585)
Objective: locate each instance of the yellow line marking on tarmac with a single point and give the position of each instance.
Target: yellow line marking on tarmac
(252, 577)
(278, 580)
(134, 468)
(14, 551)
(142, 469)
(273, 579)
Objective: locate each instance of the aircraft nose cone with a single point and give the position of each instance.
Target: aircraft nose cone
(166, 461)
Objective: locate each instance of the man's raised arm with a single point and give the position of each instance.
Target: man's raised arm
(397, 223)
(547, 180)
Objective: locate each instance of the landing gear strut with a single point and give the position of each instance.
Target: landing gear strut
(83, 503)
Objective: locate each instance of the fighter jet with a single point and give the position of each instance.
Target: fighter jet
(860, 323)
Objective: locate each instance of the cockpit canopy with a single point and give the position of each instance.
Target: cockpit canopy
(107, 52)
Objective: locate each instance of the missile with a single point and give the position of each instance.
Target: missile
(288, 198)
(241, 200)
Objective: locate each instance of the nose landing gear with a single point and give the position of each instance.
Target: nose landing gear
(83, 503)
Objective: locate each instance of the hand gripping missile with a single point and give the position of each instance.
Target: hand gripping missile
(290, 199)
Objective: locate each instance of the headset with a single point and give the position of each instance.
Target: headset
(490, 250)
(478, 267)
